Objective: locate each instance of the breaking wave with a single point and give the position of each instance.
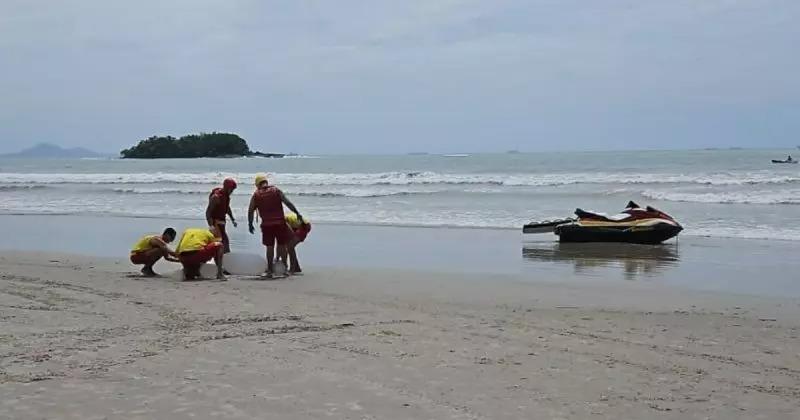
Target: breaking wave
(749, 197)
(411, 178)
(339, 192)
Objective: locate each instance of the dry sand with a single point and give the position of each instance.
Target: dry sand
(80, 339)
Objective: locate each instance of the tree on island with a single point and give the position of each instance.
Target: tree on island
(191, 146)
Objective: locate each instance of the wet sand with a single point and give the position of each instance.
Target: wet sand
(742, 266)
(80, 338)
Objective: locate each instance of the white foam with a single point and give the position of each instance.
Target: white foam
(329, 191)
(727, 197)
(409, 178)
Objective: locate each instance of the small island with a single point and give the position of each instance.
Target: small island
(219, 145)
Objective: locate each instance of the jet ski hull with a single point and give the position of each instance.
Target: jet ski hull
(650, 234)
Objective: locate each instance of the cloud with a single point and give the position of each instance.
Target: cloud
(401, 76)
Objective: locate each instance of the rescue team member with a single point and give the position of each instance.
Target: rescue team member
(219, 206)
(150, 248)
(269, 201)
(300, 228)
(196, 247)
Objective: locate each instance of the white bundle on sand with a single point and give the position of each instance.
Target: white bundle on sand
(236, 263)
(242, 264)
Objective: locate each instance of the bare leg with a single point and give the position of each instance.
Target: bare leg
(270, 259)
(190, 272)
(218, 261)
(226, 242)
(282, 252)
(294, 264)
(151, 257)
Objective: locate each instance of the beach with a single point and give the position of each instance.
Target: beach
(84, 339)
(399, 210)
(421, 298)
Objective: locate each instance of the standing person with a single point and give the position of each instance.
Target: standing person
(269, 201)
(196, 247)
(150, 248)
(219, 206)
(300, 228)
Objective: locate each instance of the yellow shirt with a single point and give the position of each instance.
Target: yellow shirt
(143, 244)
(194, 240)
(293, 221)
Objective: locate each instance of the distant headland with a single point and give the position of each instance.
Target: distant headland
(219, 145)
(51, 151)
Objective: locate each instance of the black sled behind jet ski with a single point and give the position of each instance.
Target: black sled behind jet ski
(634, 225)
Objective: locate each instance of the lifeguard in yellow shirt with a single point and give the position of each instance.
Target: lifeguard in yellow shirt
(300, 229)
(196, 247)
(150, 248)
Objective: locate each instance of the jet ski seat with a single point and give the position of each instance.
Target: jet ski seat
(629, 213)
(583, 214)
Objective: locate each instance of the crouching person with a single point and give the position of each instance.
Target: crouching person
(198, 246)
(300, 229)
(151, 248)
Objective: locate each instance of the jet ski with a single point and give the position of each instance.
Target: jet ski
(634, 225)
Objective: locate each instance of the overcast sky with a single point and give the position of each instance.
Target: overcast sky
(403, 75)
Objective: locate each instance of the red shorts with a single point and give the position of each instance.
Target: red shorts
(201, 256)
(302, 232)
(279, 233)
(138, 258)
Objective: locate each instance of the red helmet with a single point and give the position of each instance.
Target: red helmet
(229, 183)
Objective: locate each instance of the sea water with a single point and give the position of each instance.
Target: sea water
(718, 193)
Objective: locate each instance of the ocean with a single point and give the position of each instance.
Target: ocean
(717, 193)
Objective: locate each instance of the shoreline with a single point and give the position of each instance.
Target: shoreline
(396, 225)
(83, 338)
(691, 263)
(437, 286)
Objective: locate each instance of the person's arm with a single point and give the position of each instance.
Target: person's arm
(159, 243)
(250, 211)
(290, 206)
(213, 202)
(230, 214)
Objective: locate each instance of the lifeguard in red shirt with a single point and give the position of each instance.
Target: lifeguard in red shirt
(219, 207)
(268, 200)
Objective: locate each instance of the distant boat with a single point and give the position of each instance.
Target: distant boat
(418, 154)
(789, 159)
(513, 152)
(456, 155)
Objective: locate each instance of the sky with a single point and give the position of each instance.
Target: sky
(374, 76)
